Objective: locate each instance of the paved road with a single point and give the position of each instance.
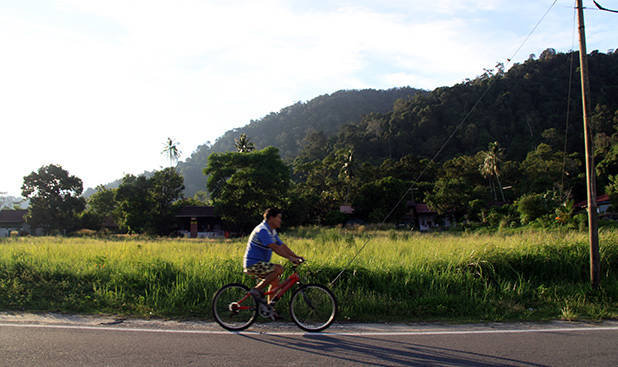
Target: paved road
(62, 342)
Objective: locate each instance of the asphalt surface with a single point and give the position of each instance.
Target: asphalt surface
(64, 340)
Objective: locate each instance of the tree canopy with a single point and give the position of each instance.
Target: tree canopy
(55, 200)
(243, 185)
(147, 204)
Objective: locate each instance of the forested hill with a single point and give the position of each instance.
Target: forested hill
(287, 128)
(524, 110)
(519, 109)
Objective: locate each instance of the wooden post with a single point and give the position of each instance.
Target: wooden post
(593, 231)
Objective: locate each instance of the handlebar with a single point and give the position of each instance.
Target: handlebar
(301, 261)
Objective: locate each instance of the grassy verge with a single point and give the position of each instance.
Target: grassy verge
(399, 276)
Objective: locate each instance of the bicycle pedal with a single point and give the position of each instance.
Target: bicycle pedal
(265, 311)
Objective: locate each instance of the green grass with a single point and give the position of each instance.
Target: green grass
(399, 276)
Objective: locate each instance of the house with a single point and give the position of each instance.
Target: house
(13, 220)
(424, 218)
(346, 209)
(604, 205)
(199, 222)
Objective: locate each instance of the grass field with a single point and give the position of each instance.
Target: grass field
(399, 276)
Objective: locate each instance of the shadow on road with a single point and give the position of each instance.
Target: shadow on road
(381, 352)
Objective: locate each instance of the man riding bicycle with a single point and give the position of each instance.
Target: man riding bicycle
(262, 242)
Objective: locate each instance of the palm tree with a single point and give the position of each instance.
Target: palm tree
(490, 167)
(346, 171)
(243, 144)
(172, 151)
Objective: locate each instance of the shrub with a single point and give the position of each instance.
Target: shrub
(530, 207)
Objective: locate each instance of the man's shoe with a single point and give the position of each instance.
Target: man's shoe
(259, 296)
(275, 316)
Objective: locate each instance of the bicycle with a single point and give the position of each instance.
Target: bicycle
(312, 306)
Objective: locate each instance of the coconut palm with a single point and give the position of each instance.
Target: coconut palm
(243, 144)
(172, 151)
(490, 168)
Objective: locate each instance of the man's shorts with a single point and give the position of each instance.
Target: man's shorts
(260, 269)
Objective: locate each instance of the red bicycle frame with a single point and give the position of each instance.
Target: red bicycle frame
(277, 291)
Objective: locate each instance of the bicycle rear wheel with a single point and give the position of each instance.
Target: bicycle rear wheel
(313, 307)
(233, 307)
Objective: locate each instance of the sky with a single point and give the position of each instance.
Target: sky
(98, 86)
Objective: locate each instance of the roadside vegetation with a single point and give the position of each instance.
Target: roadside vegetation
(402, 276)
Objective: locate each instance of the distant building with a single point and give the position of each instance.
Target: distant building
(604, 206)
(426, 219)
(13, 220)
(199, 222)
(346, 209)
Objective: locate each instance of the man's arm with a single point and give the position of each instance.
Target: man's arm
(284, 251)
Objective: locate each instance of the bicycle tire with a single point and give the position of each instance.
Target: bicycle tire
(313, 307)
(230, 317)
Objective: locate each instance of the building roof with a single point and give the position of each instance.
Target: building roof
(12, 216)
(196, 211)
(423, 209)
(603, 199)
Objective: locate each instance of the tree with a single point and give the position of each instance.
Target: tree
(101, 207)
(54, 197)
(450, 196)
(166, 188)
(532, 206)
(612, 190)
(172, 151)
(146, 205)
(543, 169)
(243, 144)
(376, 199)
(490, 167)
(243, 185)
(134, 204)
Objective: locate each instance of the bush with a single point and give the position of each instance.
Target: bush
(335, 217)
(531, 207)
(503, 216)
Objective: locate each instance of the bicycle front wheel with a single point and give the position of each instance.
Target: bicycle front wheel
(313, 307)
(233, 307)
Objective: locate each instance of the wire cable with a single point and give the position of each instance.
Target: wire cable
(568, 111)
(604, 9)
(446, 142)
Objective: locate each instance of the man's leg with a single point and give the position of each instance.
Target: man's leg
(271, 279)
(275, 282)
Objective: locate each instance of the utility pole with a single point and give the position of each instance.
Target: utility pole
(593, 230)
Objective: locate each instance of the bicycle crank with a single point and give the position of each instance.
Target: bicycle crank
(266, 311)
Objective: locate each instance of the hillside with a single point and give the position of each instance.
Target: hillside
(499, 138)
(519, 109)
(392, 131)
(287, 128)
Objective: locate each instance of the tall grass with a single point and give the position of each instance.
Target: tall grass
(399, 276)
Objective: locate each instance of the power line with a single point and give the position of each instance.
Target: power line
(532, 31)
(566, 127)
(604, 9)
(446, 142)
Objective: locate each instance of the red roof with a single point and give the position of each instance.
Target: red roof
(600, 199)
(423, 209)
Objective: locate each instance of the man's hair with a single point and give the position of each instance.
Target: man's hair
(271, 212)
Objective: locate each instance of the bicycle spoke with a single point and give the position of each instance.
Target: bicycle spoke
(313, 307)
(232, 309)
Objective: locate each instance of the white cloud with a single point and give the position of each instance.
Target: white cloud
(98, 86)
